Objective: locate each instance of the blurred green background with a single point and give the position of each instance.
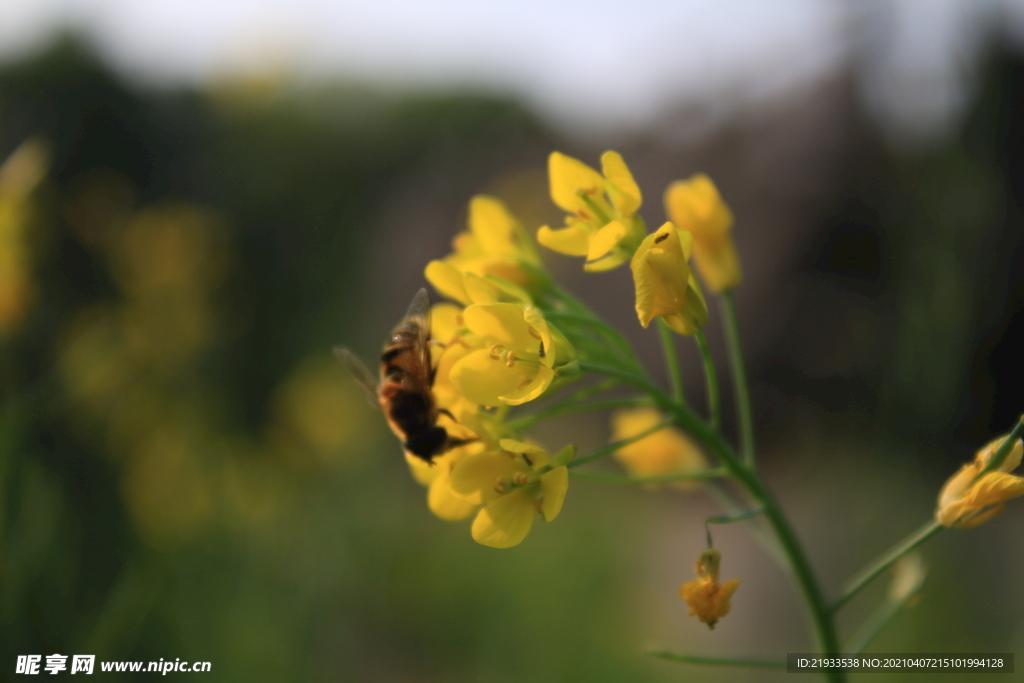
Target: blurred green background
(185, 472)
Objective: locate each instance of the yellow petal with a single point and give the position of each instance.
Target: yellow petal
(531, 390)
(625, 193)
(474, 478)
(501, 323)
(492, 225)
(568, 177)
(995, 487)
(696, 205)
(484, 380)
(444, 502)
(660, 278)
(447, 281)
(694, 314)
(421, 470)
(553, 485)
(444, 321)
(505, 521)
(572, 241)
(613, 259)
(974, 518)
(604, 240)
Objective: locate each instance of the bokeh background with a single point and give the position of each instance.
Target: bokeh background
(230, 189)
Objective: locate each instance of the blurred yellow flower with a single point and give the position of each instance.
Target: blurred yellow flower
(709, 601)
(694, 205)
(510, 486)
(665, 286)
(666, 451)
(19, 175)
(494, 245)
(518, 356)
(967, 501)
(602, 223)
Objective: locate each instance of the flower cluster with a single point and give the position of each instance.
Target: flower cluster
(495, 347)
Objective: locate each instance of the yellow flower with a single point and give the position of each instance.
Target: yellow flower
(666, 451)
(965, 503)
(513, 488)
(602, 225)
(518, 357)
(441, 499)
(708, 600)
(664, 284)
(694, 205)
(494, 245)
(19, 175)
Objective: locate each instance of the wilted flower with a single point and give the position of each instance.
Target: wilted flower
(694, 205)
(967, 501)
(602, 225)
(708, 600)
(665, 286)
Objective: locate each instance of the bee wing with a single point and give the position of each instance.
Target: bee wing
(419, 311)
(359, 372)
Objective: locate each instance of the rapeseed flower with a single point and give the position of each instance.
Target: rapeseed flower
(709, 601)
(602, 223)
(666, 451)
(665, 287)
(495, 244)
(519, 355)
(967, 501)
(513, 484)
(694, 205)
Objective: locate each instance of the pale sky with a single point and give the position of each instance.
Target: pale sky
(598, 65)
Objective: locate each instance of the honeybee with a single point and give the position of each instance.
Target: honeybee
(405, 391)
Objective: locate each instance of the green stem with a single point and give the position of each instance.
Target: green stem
(750, 662)
(741, 391)
(724, 497)
(820, 614)
(610, 478)
(612, 447)
(1004, 449)
(712, 379)
(581, 315)
(565, 408)
(884, 561)
(668, 346)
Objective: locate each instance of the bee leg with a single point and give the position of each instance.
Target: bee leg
(445, 411)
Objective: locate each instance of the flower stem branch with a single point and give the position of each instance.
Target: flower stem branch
(611, 478)
(566, 408)
(820, 613)
(741, 390)
(878, 620)
(611, 448)
(711, 376)
(884, 561)
(668, 346)
(1004, 449)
